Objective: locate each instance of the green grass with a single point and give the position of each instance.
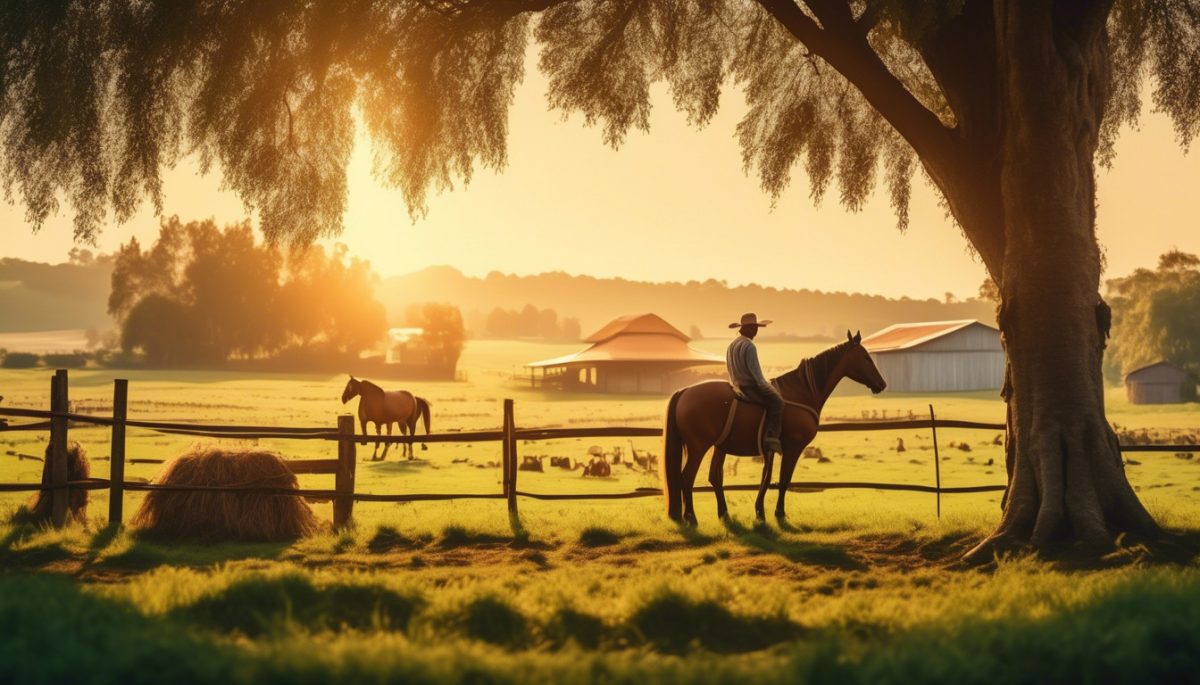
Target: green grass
(856, 586)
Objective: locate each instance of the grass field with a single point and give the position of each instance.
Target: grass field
(857, 585)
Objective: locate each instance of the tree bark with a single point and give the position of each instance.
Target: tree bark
(1067, 484)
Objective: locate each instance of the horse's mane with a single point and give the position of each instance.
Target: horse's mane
(814, 371)
(370, 386)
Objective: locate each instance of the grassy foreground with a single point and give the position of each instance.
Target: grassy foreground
(857, 586)
(642, 603)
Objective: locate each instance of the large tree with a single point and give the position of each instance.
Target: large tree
(1006, 106)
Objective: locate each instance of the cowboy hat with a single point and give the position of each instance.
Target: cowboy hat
(750, 319)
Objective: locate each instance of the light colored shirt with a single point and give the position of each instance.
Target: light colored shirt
(741, 359)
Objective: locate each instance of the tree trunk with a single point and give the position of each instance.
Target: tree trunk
(1067, 482)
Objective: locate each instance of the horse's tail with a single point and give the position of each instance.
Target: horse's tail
(672, 462)
(423, 409)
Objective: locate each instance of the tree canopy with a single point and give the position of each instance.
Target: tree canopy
(96, 99)
(1156, 316)
(442, 336)
(200, 294)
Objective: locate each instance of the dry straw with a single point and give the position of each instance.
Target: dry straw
(78, 468)
(226, 515)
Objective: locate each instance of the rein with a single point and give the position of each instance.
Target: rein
(812, 375)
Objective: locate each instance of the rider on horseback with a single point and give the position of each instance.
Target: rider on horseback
(747, 378)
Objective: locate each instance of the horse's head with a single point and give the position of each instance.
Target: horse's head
(860, 367)
(351, 390)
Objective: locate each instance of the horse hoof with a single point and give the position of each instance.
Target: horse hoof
(760, 516)
(779, 515)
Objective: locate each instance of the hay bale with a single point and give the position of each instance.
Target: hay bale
(226, 515)
(78, 468)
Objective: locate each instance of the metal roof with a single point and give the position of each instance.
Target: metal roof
(1165, 364)
(903, 336)
(640, 338)
(635, 323)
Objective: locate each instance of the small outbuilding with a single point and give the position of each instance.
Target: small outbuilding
(402, 347)
(640, 353)
(939, 356)
(1159, 383)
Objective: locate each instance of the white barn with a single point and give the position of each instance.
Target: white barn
(939, 356)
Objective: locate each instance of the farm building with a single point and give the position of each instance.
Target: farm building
(1159, 383)
(633, 354)
(402, 348)
(939, 356)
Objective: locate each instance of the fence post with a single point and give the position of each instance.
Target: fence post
(937, 461)
(58, 448)
(116, 475)
(504, 451)
(343, 505)
(510, 449)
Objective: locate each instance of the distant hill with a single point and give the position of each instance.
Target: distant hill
(710, 305)
(47, 297)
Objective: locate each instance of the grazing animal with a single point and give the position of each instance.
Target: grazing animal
(597, 467)
(385, 408)
(565, 463)
(697, 416)
(647, 461)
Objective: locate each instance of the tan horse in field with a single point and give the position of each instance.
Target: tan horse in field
(698, 419)
(385, 408)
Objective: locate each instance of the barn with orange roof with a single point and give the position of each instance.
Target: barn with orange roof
(639, 353)
(939, 356)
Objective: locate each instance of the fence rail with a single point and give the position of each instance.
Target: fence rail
(58, 420)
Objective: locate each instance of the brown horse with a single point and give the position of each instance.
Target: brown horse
(380, 407)
(697, 416)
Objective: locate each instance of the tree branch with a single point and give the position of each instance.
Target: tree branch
(1083, 20)
(838, 41)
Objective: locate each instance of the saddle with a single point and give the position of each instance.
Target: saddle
(738, 397)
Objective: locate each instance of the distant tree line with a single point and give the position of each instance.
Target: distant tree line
(442, 336)
(1156, 316)
(201, 294)
(531, 322)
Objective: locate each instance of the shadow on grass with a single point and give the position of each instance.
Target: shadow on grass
(458, 536)
(391, 467)
(101, 540)
(13, 554)
(493, 620)
(598, 536)
(388, 538)
(764, 538)
(257, 606)
(676, 624)
(151, 551)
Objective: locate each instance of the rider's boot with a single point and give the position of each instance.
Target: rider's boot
(771, 446)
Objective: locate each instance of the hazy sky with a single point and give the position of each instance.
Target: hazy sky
(674, 205)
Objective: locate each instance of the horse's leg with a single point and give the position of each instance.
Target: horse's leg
(405, 431)
(387, 446)
(364, 430)
(787, 466)
(760, 511)
(412, 430)
(695, 454)
(375, 455)
(716, 476)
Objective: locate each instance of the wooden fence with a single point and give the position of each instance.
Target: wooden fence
(59, 420)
